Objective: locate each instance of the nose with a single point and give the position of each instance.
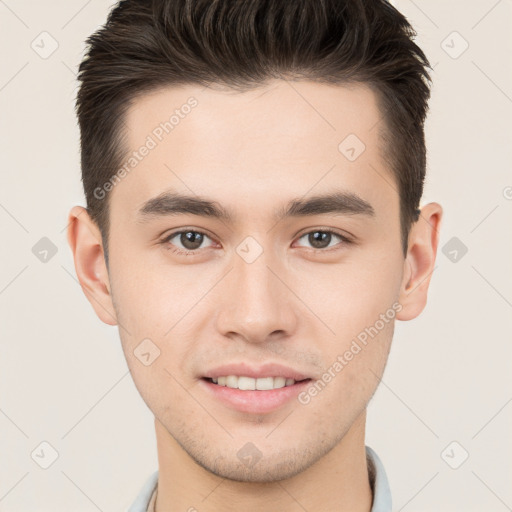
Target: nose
(257, 304)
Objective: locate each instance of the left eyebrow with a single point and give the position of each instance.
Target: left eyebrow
(173, 203)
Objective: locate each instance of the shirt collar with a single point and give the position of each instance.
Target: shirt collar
(379, 482)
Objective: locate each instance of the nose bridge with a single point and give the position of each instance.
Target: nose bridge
(257, 303)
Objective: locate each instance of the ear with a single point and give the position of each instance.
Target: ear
(84, 238)
(419, 262)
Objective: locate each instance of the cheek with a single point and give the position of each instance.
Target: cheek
(149, 301)
(348, 298)
(155, 310)
(360, 314)
(353, 369)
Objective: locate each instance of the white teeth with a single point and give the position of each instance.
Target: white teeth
(280, 382)
(245, 383)
(248, 383)
(231, 381)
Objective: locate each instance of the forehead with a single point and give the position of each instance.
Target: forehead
(279, 141)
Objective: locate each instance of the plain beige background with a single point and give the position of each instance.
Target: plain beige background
(447, 390)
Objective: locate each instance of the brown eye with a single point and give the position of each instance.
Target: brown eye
(319, 239)
(322, 238)
(186, 241)
(191, 239)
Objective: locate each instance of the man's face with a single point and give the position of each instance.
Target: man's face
(257, 289)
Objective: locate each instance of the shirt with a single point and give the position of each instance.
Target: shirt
(145, 500)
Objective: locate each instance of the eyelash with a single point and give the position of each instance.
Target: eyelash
(166, 240)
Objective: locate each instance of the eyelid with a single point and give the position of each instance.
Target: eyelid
(324, 229)
(184, 229)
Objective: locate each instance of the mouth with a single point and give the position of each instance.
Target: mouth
(253, 395)
(244, 383)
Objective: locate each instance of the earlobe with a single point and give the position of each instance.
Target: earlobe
(420, 261)
(84, 238)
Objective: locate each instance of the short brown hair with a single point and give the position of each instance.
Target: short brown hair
(146, 45)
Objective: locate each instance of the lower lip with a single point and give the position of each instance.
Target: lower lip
(253, 401)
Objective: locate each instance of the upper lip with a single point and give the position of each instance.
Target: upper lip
(256, 372)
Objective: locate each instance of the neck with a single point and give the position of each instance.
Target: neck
(337, 481)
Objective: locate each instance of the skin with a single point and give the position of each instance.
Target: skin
(253, 152)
